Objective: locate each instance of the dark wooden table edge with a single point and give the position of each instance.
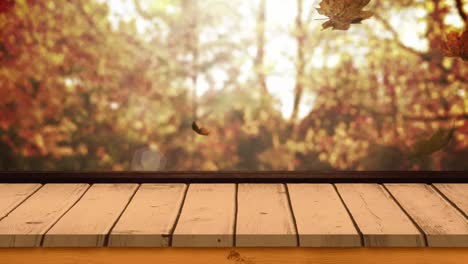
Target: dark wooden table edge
(233, 255)
(234, 177)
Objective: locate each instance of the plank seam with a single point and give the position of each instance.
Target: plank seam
(292, 215)
(236, 209)
(361, 236)
(20, 203)
(407, 214)
(107, 237)
(66, 211)
(448, 200)
(178, 215)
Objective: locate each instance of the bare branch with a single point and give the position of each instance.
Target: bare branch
(432, 118)
(149, 15)
(87, 17)
(425, 56)
(397, 38)
(461, 12)
(436, 118)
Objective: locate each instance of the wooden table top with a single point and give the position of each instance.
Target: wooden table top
(233, 215)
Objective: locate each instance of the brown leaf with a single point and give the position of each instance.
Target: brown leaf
(343, 13)
(456, 45)
(200, 130)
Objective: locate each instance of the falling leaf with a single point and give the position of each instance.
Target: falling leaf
(343, 13)
(456, 45)
(200, 130)
(436, 142)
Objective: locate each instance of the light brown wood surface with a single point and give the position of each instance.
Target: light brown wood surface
(150, 217)
(207, 217)
(456, 193)
(381, 221)
(11, 195)
(264, 218)
(443, 225)
(321, 218)
(234, 256)
(266, 215)
(25, 226)
(91, 219)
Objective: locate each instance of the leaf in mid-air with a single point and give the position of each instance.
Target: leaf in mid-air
(200, 130)
(343, 13)
(456, 45)
(436, 142)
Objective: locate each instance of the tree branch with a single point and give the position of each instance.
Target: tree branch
(397, 38)
(425, 56)
(147, 15)
(436, 118)
(461, 12)
(89, 19)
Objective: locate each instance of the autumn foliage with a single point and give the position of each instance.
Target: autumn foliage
(81, 90)
(456, 45)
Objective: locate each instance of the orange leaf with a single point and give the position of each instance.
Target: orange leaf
(456, 45)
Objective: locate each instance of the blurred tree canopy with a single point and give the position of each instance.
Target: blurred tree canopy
(83, 87)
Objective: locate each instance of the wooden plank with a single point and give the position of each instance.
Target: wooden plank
(11, 195)
(150, 217)
(236, 256)
(207, 217)
(321, 218)
(380, 220)
(443, 225)
(26, 225)
(264, 218)
(91, 219)
(456, 193)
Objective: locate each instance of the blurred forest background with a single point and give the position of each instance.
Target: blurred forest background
(84, 84)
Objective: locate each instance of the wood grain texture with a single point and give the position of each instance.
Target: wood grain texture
(381, 221)
(207, 217)
(456, 193)
(11, 195)
(150, 217)
(91, 219)
(443, 225)
(264, 217)
(321, 218)
(26, 225)
(234, 256)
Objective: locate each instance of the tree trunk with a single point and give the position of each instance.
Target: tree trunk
(190, 44)
(300, 61)
(259, 58)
